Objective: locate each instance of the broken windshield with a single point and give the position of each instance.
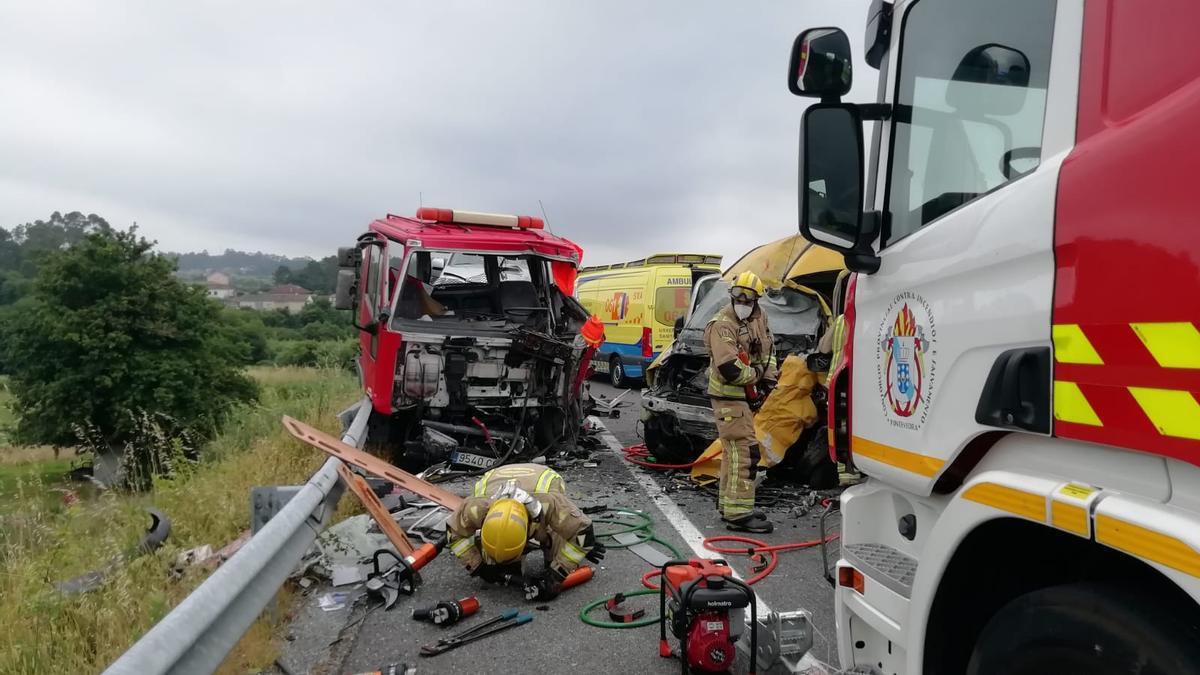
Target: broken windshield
(471, 287)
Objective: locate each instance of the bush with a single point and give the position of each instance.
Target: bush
(109, 336)
(313, 353)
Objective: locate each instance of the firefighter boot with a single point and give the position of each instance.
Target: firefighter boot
(755, 521)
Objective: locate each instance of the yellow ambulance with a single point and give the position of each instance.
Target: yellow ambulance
(639, 302)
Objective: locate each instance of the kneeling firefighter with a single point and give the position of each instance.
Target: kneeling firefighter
(511, 507)
(742, 361)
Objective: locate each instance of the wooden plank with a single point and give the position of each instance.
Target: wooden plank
(377, 510)
(370, 463)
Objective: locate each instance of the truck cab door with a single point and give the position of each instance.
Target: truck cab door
(371, 312)
(983, 113)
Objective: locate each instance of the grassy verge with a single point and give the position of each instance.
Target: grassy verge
(46, 631)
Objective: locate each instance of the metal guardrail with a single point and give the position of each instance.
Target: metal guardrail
(197, 635)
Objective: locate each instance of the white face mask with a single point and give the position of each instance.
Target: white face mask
(743, 311)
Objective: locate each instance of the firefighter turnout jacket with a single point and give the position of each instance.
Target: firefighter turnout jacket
(561, 530)
(726, 338)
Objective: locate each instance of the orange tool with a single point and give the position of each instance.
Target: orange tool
(580, 576)
(371, 464)
(378, 512)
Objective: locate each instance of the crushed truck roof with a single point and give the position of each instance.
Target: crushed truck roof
(454, 236)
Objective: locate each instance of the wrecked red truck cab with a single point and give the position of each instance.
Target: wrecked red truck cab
(469, 336)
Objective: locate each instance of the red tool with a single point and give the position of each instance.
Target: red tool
(754, 397)
(703, 594)
(447, 612)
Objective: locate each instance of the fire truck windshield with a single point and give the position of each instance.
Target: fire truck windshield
(970, 98)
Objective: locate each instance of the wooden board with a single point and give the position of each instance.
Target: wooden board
(377, 510)
(370, 463)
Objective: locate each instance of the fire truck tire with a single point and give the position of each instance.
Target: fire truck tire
(616, 373)
(1091, 628)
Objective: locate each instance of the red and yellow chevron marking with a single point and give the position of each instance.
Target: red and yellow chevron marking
(1133, 385)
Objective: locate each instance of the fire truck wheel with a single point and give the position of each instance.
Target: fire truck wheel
(616, 372)
(1092, 628)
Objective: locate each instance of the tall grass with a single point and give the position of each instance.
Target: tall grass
(208, 502)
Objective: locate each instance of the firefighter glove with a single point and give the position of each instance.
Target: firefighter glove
(597, 552)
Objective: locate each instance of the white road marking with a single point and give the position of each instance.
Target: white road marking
(670, 510)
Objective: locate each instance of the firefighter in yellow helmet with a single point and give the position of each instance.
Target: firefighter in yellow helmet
(741, 355)
(511, 507)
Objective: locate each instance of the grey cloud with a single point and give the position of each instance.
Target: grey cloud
(281, 126)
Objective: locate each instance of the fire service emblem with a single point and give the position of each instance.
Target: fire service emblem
(906, 361)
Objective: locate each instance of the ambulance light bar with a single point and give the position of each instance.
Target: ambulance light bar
(478, 218)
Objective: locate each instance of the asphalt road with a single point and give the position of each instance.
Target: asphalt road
(359, 638)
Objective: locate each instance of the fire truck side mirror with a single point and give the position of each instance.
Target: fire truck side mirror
(831, 184)
(821, 64)
(347, 288)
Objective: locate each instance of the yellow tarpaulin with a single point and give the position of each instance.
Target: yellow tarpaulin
(786, 413)
(770, 261)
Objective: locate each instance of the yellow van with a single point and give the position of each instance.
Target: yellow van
(639, 302)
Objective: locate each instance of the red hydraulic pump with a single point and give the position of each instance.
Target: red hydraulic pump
(702, 602)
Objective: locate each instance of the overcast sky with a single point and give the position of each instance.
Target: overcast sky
(286, 127)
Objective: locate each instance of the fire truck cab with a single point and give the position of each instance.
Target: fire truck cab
(468, 347)
(1021, 365)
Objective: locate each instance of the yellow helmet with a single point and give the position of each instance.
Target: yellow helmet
(505, 531)
(749, 281)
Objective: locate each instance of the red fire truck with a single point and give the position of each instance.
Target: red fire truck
(1021, 364)
(470, 349)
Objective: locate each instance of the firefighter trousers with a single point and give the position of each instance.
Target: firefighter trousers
(739, 456)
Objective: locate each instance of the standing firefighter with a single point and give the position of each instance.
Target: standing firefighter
(511, 506)
(742, 358)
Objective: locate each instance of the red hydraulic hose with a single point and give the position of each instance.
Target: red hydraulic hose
(636, 454)
(755, 547)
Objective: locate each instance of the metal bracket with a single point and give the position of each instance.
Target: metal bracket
(266, 501)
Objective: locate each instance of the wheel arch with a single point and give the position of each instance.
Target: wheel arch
(1006, 557)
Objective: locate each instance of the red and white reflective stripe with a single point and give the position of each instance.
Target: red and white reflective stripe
(479, 218)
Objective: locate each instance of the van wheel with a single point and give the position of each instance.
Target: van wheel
(616, 372)
(1091, 628)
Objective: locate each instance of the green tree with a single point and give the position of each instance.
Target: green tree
(246, 335)
(108, 338)
(282, 275)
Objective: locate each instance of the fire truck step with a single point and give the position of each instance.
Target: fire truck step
(881, 562)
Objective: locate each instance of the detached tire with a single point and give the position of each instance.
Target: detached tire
(616, 373)
(1088, 629)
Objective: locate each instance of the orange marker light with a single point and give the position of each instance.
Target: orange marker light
(850, 578)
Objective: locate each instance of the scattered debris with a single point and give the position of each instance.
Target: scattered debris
(156, 534)
(590, 465)
(344, 575)
(192, 556)
(332, 602)
(598, 508)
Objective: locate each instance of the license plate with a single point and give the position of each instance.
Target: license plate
(469, 459)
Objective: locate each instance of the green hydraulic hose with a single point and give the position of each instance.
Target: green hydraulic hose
(642, 527)
(583, 613)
